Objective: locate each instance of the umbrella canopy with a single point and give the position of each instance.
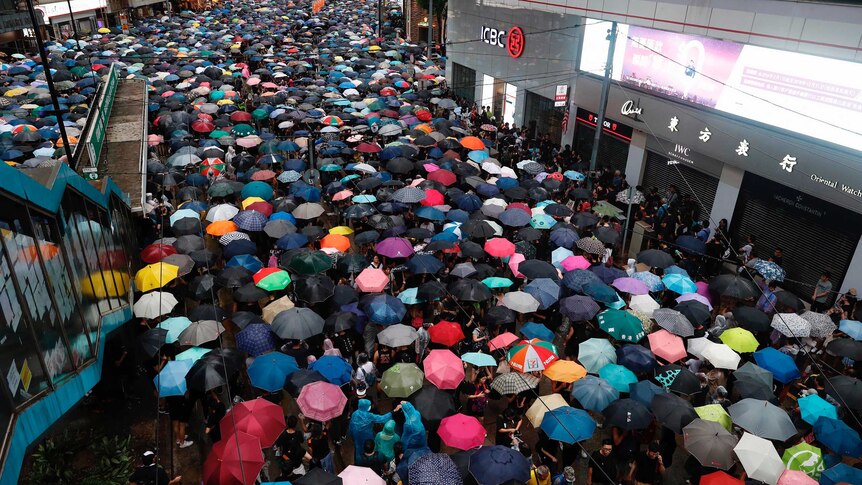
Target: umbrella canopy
(462, 432)
(531, 355)
(514, 383)
(762, 419)
(234, 461)
(258, 417)
(360, 475)
(710, 443)
(759, 458)
(568, 424)
(433, 469)
(321, 401)
(805, 458)
(621, 325)
(594, 393)
(443, 369)
(401, 380)
(495, 465)
(432, 403)
(627, 414)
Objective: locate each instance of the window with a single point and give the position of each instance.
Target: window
(464, 82)
(111, 256)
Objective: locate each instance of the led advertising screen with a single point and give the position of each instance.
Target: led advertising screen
(814, 96)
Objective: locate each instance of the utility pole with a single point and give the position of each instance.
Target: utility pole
(603, 102)
(43, 55)
(430, 27)
(379, 18)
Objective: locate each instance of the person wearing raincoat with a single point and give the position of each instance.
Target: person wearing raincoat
(385, 441)
(413, 435)
(362, 423)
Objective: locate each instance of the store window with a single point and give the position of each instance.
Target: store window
(540, 112)
(111, 255)
(36, 308)
(464, 82)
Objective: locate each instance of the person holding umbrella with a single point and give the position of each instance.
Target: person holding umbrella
(151, 473)
(648, 467)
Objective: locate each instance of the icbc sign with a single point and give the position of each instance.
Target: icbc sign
(512, 41)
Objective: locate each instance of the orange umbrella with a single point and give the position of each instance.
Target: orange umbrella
(472, 142)
(335, 241)
(565, 371)
(220, 228)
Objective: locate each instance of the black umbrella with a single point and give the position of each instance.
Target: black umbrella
(583, 220)
(528, 234)
(754, 388)
(188, 244)
(203, 257)
(244, 319)
(789, 300)
(314, 289)
(248, 293)
(340, 321)
(470, 249)
(607, 235)
(846, 390)
(696, 312)
(366, 237)
(499, 315)
(317, 476)
(207, 312)
(655, 258)
(431, 290)
(297, 324)
(202, 288)
(627, 414)
(343, 295)
(845, 347)
(433, 404)
(677, 379)
(478, 229)
(152, 340)
(186, 226)
(751, 318)
(233, 277)
(207, 374)
(734, 286)
(301, 378)
(468, 289)
(673, 411)
(536, 268)
(352, 263)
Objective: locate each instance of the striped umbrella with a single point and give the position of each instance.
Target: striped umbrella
(532, 355)
(212, 166)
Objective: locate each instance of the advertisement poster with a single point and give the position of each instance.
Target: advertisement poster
(678, 65)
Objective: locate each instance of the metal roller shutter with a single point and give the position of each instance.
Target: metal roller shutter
(810, 244)
(613, 152)
(659, 174)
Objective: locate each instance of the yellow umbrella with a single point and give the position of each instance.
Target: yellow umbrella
(715, 412)
(223, 102)
(542, 405)
(250, 200)
(105, 284)
(565, 371)
(342, 230)
(740, 340)
(374, 48)
(155, 275)
(104, 30)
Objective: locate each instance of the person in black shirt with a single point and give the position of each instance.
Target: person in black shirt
(215, 410)
(298, 352)
(602, 465)
(149, 473)
(507, 426)
(289, 445)
(649, 466)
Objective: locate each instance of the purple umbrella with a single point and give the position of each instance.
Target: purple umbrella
(395, 247)
(630, 286)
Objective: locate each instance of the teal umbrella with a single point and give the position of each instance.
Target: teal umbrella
(542, 221)
(495, 282)
(408, 296)
(618, 376)
(621, 325)
(479, 359)
(192, 354)
(174, 326)
(243, 129)
(812, 407)
(171, 381)
(596, 353)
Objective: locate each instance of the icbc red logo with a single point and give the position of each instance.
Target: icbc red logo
(515, 42)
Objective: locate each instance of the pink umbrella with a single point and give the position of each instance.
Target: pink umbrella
(443, 369)
(321, 401)
(249, 141)
(667, 345)
(155, 140)
(462, 432)
(795, 477)
(344, 194)
(632, 286)
(253, 81)
(499, 247)
(372, 280)
(514, 261)
(695, 297)
(575, 262)
(503, 340)
(395, 247)
(360, 475)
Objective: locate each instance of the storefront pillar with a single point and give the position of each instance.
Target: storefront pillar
(636, 160)
(853, 276)
(726, 194)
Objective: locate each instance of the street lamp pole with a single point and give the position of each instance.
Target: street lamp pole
(603, 102)
(430, 27)
(37, 33)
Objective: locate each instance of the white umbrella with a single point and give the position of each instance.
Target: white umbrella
(154, 305)
(759, 458)
(721, 356)
(644, 304)
(520, 302)
(821, 324)
(696, 346)
(222, 212)
(791, 325)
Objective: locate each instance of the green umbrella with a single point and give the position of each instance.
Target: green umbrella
(216, 134)
(716, 413)
(79, 71)
(243, 129)
(621, 325)
(495, 282)
(220, 190)
(805, 458)
(604, 209)
(402, 380)
(310, 263)
(272, 279)
(259, 114)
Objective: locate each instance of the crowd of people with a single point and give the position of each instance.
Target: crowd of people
(347, 270)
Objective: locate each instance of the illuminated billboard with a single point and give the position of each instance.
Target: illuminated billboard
(814, 96)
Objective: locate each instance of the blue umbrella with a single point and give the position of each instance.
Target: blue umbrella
(812, 407)
(618, 376)
(600, 292)
(564, 237)
(256, 339)
(458, 215)
(431, 469)
(249, 220)
(852, 328)
(691, 244)
(479, 359)
(577, 279)
(650, 279)
(781, 365)
(495, 465)
(636, 357)
(424, 264)
(568, 424)
(174, 326)
(545, 291)
(270, 371)
(336, 370)
(294, 240)
(514, 217)
(533, 330)
(675, 270)
(171, 381)
(410, 296)
(594, 393)
(384, 309)
(430, 213)
(607, 274)
(237, 247)
(247, 261)
(841, 473)
(469, 202)
(839, 437)
(643, 392)
(679, 284)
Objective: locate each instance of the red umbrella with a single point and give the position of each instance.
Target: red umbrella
(462, 432)
(719, 478)
(503, 340)
(235, 460)
(432, 198)
(258, 417)
(443, 369)
(372, 280)
(321, 401)
(520, 205)
(443, 176)
(264, 208)
(263, 175)
(240, 116)
(446, 333)
(156, 252)
(203, 126)
(368, 148)
(499, 247)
